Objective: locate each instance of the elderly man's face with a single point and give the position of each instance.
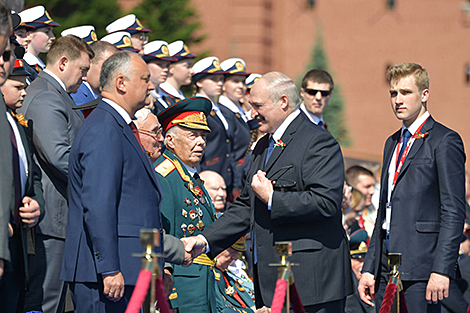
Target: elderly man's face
(215, 186)
(268, 114)
(139, 84)
(187, 144)
(151, 136)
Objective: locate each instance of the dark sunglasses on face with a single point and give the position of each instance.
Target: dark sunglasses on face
(6, 55)
(313, 92)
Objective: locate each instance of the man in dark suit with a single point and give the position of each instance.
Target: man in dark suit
(108, 211)
(6, 172)
(56, 124)
(28, 206)
(294, 194)
(422, 199)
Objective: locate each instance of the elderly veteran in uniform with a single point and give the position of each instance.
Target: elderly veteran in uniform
(231, 296)
(187, 207)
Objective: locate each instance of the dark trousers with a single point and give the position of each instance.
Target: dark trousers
(327, 307)
(89, 298)
(415, 291)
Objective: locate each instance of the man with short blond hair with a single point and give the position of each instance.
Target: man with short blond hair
(422, 199)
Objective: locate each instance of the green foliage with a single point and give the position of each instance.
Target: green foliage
(169, 20)
(71, 13)
(333, 115)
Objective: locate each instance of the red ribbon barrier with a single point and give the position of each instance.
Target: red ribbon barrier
(387, 302)
(295, 300)
(140, 292)
(160, 296)
(279, 296)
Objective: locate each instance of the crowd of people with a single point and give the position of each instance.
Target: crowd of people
(100, 142)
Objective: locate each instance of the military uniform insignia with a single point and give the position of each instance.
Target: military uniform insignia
(216, 275)
(187, 202)
(173, 295)
(184, 227)
(192, 215)
(165, 168)
(184, 213)
(37, 68)
(200, 225)
(203, 200)
(239, 286)
(238, 115)
(195, 190)
(191, 229)
(212, 162)
(213, 113)
(196, 201)
(230, 291)
(199, 212)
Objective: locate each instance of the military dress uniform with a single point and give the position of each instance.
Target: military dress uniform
(34, 18)
(186, 210)
(231, 295)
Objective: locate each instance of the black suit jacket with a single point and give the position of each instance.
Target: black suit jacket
(428, 205)
(22, 241)
(305, 210)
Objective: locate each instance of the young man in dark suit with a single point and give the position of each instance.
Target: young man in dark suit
(293, 193)
(422, 199)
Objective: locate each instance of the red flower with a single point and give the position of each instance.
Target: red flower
(280, 144)
(419, 135)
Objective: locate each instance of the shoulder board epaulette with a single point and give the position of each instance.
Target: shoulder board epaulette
(179, 168)
(216, 275)
(165, 168)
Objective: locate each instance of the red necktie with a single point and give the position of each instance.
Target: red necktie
(136, 134)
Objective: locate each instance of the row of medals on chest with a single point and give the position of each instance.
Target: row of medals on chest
(193, 214)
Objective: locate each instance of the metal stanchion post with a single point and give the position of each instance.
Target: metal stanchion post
(150, 238)
(394, 260)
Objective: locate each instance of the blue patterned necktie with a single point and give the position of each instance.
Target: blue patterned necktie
(406, 137)
(270, 149)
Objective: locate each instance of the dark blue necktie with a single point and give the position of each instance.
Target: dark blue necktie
(321, 125)
(270, 149)
(406, 137)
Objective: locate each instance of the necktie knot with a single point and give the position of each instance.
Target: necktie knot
(406, 137)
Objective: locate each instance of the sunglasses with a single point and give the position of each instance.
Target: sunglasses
(313, 92)
(6, 55)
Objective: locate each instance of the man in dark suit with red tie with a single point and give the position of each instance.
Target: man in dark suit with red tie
(294, 194)
(114, 192)
(422, 199)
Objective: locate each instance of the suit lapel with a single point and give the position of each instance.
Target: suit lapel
(286, 138)
(416, 147)
(127, 132)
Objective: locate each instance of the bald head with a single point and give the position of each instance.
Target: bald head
(215, 185)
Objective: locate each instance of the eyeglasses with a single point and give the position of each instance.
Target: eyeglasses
(313, 92)
(151, 132)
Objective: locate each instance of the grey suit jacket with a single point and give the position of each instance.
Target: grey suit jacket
(55, 127)
(6, 181)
